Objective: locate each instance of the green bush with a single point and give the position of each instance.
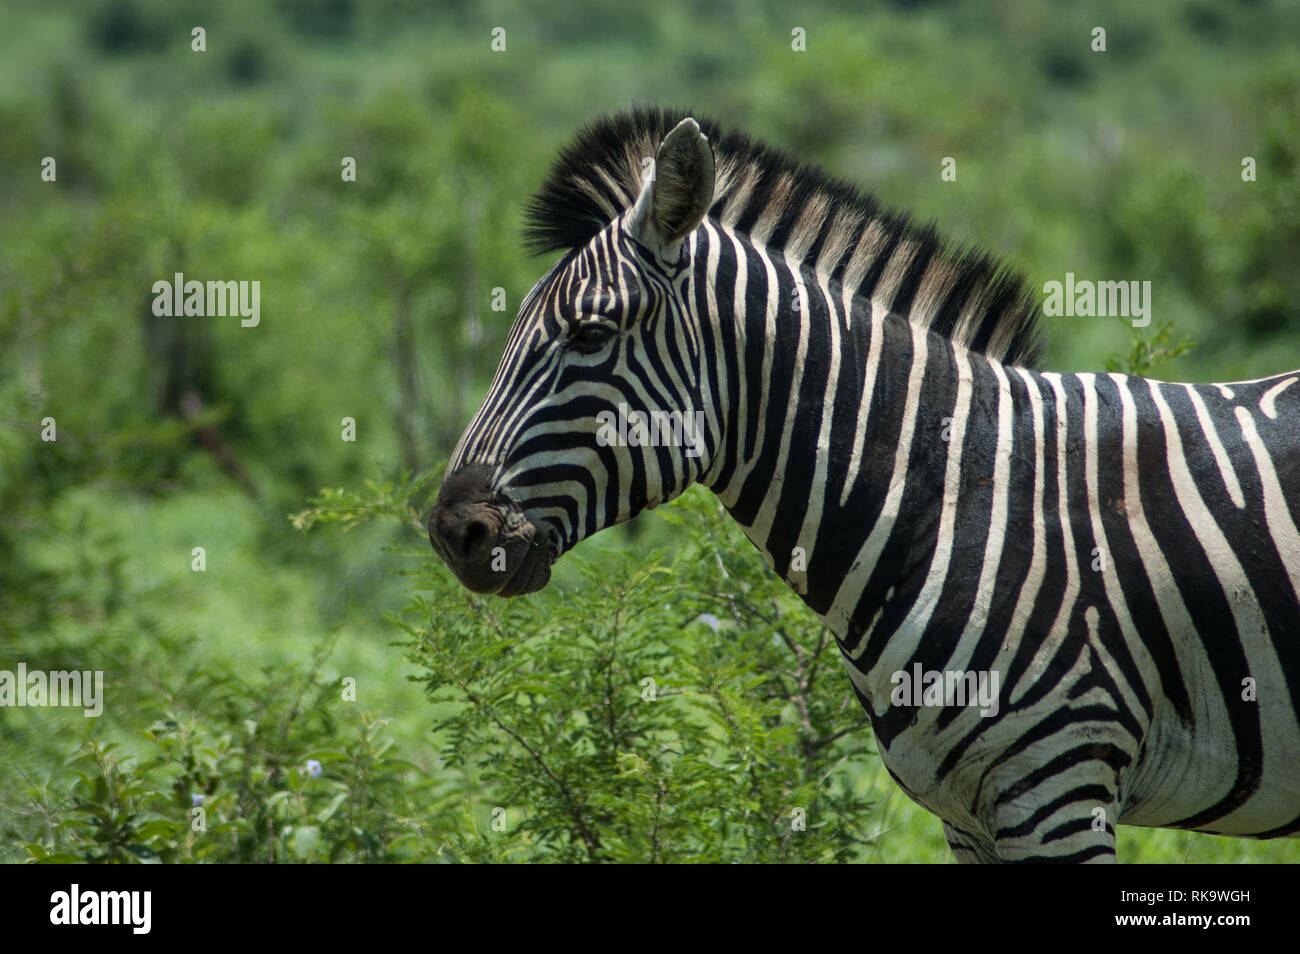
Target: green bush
(659, 710)
(656, 710)
(260, 772)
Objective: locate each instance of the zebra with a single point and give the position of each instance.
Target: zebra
(1119, 555)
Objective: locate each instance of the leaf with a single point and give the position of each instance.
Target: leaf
(332, 807)
(305, 840)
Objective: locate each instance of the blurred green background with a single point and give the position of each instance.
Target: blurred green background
(376, 294)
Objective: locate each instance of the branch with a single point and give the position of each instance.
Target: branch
(593, 843)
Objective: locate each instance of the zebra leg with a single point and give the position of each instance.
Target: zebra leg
(969, 849)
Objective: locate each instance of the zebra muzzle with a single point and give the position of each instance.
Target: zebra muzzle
(486, 540)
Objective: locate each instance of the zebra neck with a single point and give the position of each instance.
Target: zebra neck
(839, 438)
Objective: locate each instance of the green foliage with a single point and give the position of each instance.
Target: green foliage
(393, 500)
(679, 709)
(662, 710)
(1146, 352)
(375, 306)
(281, 769)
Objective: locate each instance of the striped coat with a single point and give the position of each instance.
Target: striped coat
(1114, 562)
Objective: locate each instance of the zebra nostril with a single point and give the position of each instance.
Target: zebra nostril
(467, 519)
(464, 539)
(474, 542)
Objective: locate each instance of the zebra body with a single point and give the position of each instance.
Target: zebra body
(1121, 553)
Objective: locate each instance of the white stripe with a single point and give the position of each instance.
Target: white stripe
(1216, 447)
(1266, 403)
(1196, 670)
(729, 493)
(1052, 642)
(846, 598)
(979, 616)
(1038, 562)
(713, 403)
(813, 516)
(757, 390)
(1110, 581)
(877, 319)
(918, 617)
(1280, 525)
(761, 529)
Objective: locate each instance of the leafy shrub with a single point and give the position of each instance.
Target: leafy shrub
(662, 709)
(258, 773)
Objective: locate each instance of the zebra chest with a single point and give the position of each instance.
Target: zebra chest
(916, 744)
(916, 764)
(918, 753)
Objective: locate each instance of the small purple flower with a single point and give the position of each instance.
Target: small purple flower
(313, 768)
(711, 621)
(196, 799)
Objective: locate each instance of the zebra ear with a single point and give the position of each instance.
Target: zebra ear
(677, 192)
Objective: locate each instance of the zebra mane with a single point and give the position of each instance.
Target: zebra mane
(959, 292)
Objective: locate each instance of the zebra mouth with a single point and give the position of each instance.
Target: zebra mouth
(512, 561)
(534, 565)
(490, 542)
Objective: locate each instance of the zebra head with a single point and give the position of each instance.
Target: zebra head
(597, 409)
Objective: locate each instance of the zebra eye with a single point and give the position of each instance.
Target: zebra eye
(590, 338)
